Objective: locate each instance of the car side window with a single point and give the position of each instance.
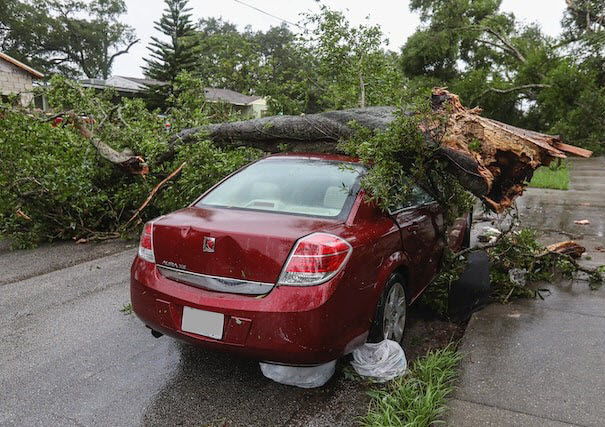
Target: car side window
(418, 197)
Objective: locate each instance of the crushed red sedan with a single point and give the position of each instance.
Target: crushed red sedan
(285, 261)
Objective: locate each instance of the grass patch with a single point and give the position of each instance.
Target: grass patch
(126, 308)
(555, 176)
(416, 399)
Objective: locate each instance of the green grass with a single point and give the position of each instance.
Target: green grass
(554, 177)
(418, 398)
(126, 308)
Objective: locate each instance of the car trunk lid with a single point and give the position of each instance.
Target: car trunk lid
(248, 246)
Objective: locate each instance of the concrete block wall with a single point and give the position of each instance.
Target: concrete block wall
(14, 80)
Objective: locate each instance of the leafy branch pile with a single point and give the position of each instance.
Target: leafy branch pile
(400, 159)
(54, 184)
(516, 251)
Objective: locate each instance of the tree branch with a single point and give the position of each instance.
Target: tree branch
(124, 159)
(516, 88)
(155, 190)
(123, 51)
(512, 49)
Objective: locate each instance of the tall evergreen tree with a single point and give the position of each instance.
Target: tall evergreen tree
(179, 53)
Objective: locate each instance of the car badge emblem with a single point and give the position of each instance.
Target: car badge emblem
(209, 244)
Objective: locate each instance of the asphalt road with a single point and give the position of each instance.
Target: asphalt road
(68, 356)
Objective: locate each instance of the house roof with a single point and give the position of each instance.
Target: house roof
(146, 82)
(135, 85)
(21, 65)
(121, 83)
(229, 96)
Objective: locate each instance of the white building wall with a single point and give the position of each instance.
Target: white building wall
(259, 107)
(14, 80)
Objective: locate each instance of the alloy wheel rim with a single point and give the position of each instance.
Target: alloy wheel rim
(394, 314)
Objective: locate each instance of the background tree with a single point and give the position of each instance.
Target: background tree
(514, 72)
(584, 33)
(227, 58)
(353, 68)
(333, 65)
(274, 64)
(68, 37)
(178, 53)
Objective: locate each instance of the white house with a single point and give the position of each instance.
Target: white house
(16, 78)
(253, 106)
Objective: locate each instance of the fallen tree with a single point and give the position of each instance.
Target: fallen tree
(490, 159)
(104, 163)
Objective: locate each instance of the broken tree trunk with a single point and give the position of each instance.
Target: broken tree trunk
(502, 158)
(124, 159)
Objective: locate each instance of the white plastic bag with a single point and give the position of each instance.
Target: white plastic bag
(380, 362)
(518, 276)
(299, 376)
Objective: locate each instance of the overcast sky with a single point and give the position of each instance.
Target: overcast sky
(395, 18)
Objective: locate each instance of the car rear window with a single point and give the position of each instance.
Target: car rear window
(294, 186)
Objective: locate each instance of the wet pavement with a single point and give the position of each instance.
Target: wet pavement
(540, 362)
(68, 356)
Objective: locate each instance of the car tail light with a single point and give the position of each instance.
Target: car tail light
(315, 259)
(146, 243)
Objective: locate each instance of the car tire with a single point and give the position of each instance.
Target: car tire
(391, 312)
(466, 242)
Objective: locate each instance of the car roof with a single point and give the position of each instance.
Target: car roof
(315, 156)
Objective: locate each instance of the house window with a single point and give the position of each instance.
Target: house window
(11, 99)
(39, 102)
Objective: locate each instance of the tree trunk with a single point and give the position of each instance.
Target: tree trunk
(492, 160)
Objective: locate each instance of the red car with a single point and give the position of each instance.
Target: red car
(285, 261)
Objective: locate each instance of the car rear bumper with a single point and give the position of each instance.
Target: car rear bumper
(293, 325)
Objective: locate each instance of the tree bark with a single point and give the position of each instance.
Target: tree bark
(490, 159)
(124, 159)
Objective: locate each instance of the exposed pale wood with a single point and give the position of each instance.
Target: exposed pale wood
(571, 149)
(568, 247)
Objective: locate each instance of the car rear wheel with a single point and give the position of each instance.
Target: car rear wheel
(466, 243)
(391, 313)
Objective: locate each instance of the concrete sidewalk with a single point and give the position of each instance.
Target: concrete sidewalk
(542, 363)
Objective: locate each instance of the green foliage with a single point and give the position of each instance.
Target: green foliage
(228, 58)
(126, 309)
(169, 58)
(552, 176)
(517, 250)
(327, 67)
(436, 296)
(521, 250)
(56, 178)
(401, 162)
(584, 34)
(352, 68)
(69, 37)
(573, 105)
(418, 398)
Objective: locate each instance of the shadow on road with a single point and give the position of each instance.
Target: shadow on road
(215, 388)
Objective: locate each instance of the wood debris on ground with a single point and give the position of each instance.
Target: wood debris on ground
(568, 247)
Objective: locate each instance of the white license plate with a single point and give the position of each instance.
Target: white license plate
(201, 322)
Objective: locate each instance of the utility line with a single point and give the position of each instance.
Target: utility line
(268, 14)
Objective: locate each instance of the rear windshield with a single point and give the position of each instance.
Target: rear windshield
(294, 186)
